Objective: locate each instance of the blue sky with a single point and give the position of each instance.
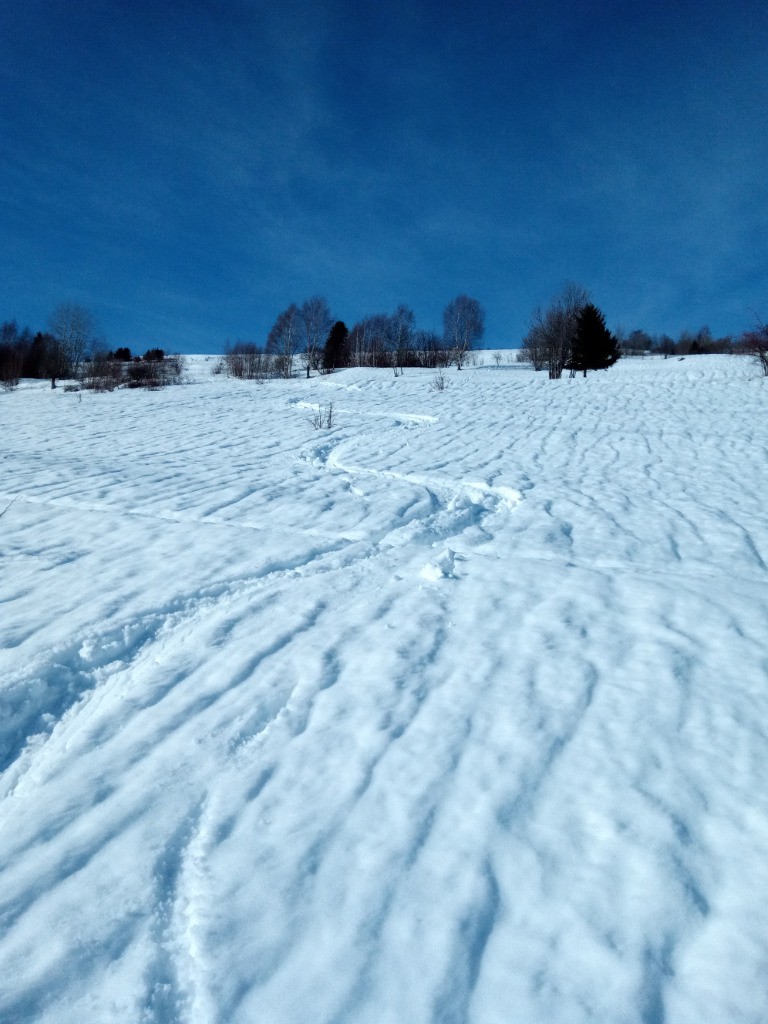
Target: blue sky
(186, 170)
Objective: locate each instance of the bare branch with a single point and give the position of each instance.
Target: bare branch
(8, 506)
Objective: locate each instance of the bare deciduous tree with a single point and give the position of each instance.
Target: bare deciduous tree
(357, 343)
(283, 339)
(368, 341)
(756, 344)
(316, 322)
(103, 373)
(429, 350)
(463, 326)
(532, 350)
(247, 361)
(552, 330)
(636, 343)
(402, 325)
(73, 330)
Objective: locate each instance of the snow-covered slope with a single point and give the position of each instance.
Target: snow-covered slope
(457, 711)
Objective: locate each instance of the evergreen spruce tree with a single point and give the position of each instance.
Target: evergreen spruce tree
(335, 351)
(594, 347)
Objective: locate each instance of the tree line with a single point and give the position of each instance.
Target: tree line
(57, 353)
(571, 334)
(568, 334)
(310, 333)
(70, 349)
(687, 343)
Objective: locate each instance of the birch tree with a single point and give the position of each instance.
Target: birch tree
(463, 326)
(553, 330)
(73, 332)
(283, 339)
(315, 320)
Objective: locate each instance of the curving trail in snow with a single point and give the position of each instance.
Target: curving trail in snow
(453, 713)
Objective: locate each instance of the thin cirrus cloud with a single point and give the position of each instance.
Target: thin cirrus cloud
(189, 171)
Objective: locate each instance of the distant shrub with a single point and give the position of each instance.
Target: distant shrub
(322, 418)
(155, 373)
(755, 343)
(102, 372)
(438, 382)
(175, 369)
(247, 361)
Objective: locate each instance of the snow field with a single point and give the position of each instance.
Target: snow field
(455, 712)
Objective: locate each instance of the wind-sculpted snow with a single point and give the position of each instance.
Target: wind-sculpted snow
(455, 712)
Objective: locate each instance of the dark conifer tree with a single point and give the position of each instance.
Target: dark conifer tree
(594, 347)
(335, 351)
(36, 362)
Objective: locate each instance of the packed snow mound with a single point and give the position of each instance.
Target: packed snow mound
(442, 567)
(453, 712)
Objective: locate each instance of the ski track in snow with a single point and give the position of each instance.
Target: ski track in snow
(453, 713)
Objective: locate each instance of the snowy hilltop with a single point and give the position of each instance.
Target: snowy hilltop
(455, 710)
